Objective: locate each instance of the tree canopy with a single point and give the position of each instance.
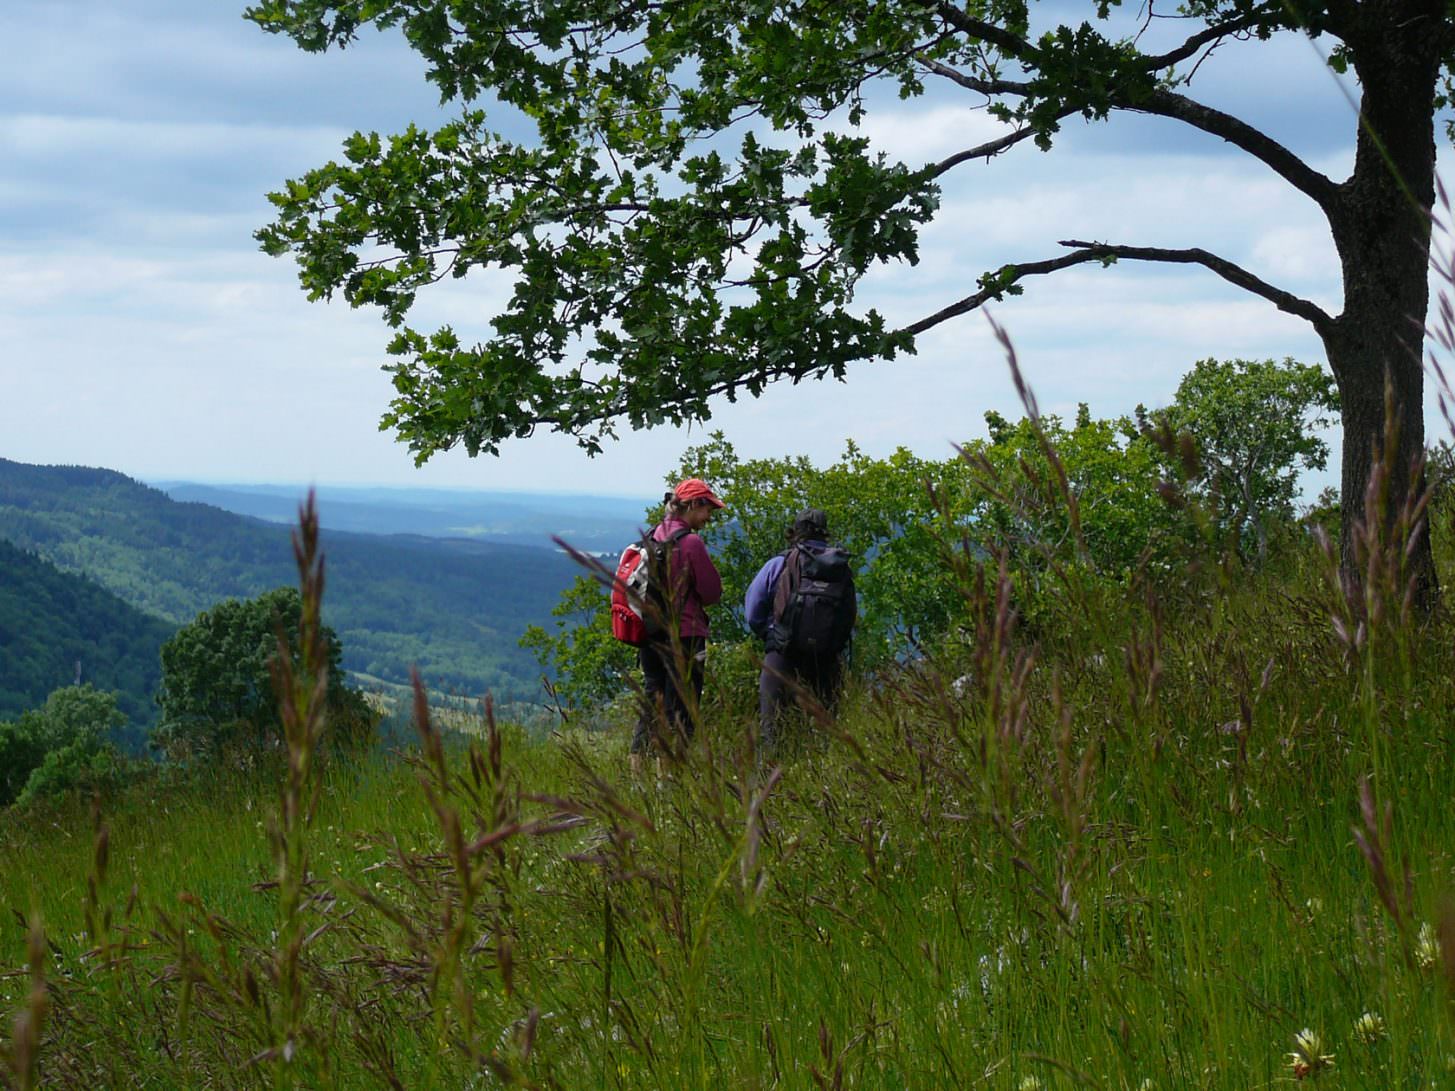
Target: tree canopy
(217, 684)
(62, 744)
(1257, 424)
(55, 625)
(691, 220)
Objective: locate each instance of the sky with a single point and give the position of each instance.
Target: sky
(142, 329)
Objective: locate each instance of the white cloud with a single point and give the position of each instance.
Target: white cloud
(916, 136)
(184, 59)
(48, 137)
(1301, 254)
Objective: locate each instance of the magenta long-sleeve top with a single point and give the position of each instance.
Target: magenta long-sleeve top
(694, 575)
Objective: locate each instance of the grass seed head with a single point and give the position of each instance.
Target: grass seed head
(1369, 1028)
(1308, 1057)
(1427, 947)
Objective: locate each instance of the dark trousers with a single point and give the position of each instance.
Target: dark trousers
(668, 714)
(784, 676)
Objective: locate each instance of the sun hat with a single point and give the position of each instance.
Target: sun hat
(694, 488)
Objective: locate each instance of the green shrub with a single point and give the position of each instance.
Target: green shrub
(217, 681)
(21, 751)
(78, 766)
(62, 745)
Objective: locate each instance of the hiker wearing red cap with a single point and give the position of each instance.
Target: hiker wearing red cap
(673, 664)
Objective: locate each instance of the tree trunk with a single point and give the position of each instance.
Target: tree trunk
(1381, 226)
(1363, 395)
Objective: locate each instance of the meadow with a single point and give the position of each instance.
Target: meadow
(1199, 840)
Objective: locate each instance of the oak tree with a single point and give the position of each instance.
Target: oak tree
(664, 250)
(217, 683)
(1257, 424)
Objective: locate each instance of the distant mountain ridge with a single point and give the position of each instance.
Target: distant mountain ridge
(454, 607)
(590, 523)
(56, 625)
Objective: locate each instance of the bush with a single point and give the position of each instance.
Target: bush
(217, 685)
(73, 767)
(61, 746)
(21, 752)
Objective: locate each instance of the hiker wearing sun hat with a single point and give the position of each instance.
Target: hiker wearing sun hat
(673, 664)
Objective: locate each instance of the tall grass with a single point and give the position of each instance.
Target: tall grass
(1197, 839)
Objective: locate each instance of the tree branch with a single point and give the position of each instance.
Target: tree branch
(987, 150)
(1208, 36)
(1096, 251)
(975, 83)
(1240, 134)
(1161, 102)
(1010, 275)
(980, 30)
(1233, 274)
(1020, 48)
(1168, 104)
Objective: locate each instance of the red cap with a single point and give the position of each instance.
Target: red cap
(694, 488)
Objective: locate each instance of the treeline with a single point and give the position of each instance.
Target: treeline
(591, 522)
(57, 628)
(455, 608)
(1090, 504)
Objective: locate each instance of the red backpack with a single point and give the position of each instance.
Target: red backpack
(637, 603)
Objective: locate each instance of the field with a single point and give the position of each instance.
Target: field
(1208, 847)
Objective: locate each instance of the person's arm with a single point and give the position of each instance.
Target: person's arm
(758, 603)
(706, 583)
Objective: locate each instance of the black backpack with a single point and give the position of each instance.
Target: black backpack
(814, 606)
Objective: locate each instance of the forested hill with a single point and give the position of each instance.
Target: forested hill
(52, 621)
(454, 607)
(592, 523)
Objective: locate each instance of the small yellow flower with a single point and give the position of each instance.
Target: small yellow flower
(1308, 1057)
(1031, 1083)
(1427, 947)
(1369, 1028)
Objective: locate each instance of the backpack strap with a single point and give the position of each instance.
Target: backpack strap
(670, 542)
(787, 582)
(649, 537)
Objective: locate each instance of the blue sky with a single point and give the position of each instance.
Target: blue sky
(141, 329)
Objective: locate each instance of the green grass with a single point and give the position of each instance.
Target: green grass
(1125, 858)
